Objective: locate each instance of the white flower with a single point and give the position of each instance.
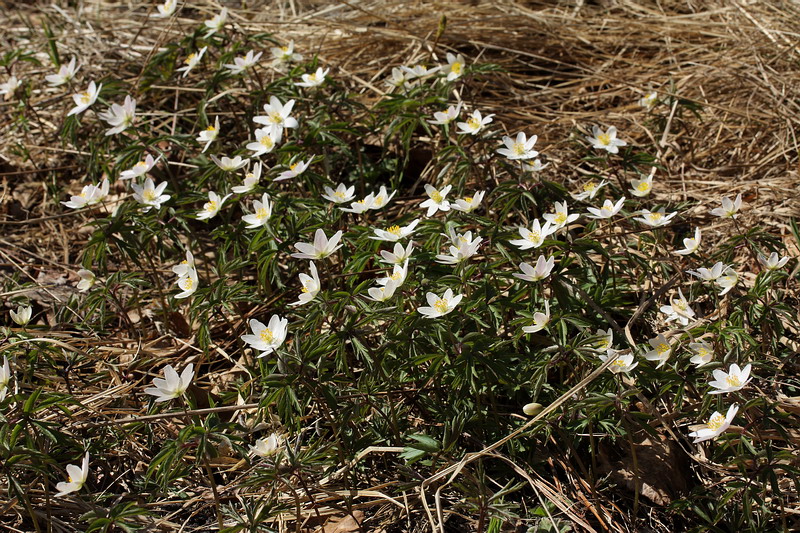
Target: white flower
(446, 117)
(87, 279)
(649, 100)
(240, 64)
(474, 124)
(622, 363)
(561, 217)
(521, 148)
(734, 379)
(729, 209)
(277, 116)
(703, 353)
(678, 310)
(589, 191)
(360, 206)
(22, 315)
(727, 281)
(251, 179)
(182, 269)
(9, 87)
(262, 210)
(398, 254)
(140, 169)
(209, 135)
(605, 140)
(463, 247)
(216, 23)
(716, 425)
(608, 209)
(440, 306)
(191, 61)
(399, 78)
(381, 293)
(187, 284)
(711, 274)
(436, 199)
(655, 219)
(660, 352)
(539, 272)
(534, 237)
(455, 66)
(310, 286)
(773, 262)
(267, 339)
(690, 245)
(90, 195)
(230, 164)
(85, 99)
(381, 199)
(167, 8)
(340, 195)
(173, 385)
(212, 207)
(266, 141)
(536, 166)
(121, 117)
(604, 340)
(64, 75)
(468, 204)
(419, 72)
(295, 169)
(76, 478)
(540, 320)
(642, 187)
(394, 233)
(398, 275)
(285, 54)
(267, 447)
(149, 195)
(5, 378)
(321, 248)
(314, 79)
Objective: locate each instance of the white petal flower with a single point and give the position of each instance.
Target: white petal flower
(188, 284)
(173, 385)
(394, 233)
(85, 99)
(397, 277)
(649, 100)
(468, 204)
(540, 320)
(216, 23)
(191, 61)
(121, 117)
(519, 148)
(267, 339)
(182, 269)
(734, 379)
(262, 210)
(87, 279)
(655, 219)
(474, 124)
(436, 199)
(534, 237)
(340, 195)
(140, 169)
(251, 179)
(360, 206)
(240, 64)
(660, 352)
(690, 245)
(310, 286)
(464, 247)
(729, 209)
(703, 353)
(605, 140)
(90, 195)
(277, 116)
(167, 8)
(446, 117)
(398, 255)
(642, 187)
(209, 135)
(380, 199)
(773, 262)
(230, 164)
(149, 195)
(212, 207)
(314, 79)
(608, 209)
(536, 166)
(711, 274)
(22, 315)
(561, 217)
(5, 378)
(266, 141)
(65, 74)
(285, 54)
(440, 306)
(678, 309)
(536, 273)
(727, 280)
(295, 169)
(76, 478)
(381, 293)
(605, 340)
(267, 447)
(320, 248)
(622, 362)
(455, 66)
(716, 425)
(589, 190)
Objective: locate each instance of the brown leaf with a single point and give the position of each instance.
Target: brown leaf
(347, 524)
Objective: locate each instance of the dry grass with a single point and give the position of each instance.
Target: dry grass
(567, 65)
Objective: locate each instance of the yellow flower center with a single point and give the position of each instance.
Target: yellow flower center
(589, 187)
(396, 275)
(643, 186)
(394, 230)
(141, 164)
(149, 195)
(680, 305)
(441, 305)
(312, 77)
(733, 381)
(262, 213)
(293, 166)
(266, 141)
(378, 201)
(339, 194)
(604, 139)
(210, 206)
(250, 176)
(187, 284)
(534, 236)
(473, 123)
(211, 128)
(436, 197)
(189, 60)
(703, 352)
(655, 217)
(285, 49)
(456, 67)
(603, 344)
(468, 199)
(276, 117)
(560, 218)
(85, 98)
(716, 421)
(266, 336)
(662, 348)
(518, 149)
(620, 363)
